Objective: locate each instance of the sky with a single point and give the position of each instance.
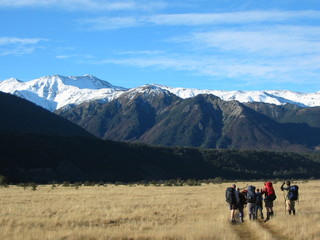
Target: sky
(206, 44)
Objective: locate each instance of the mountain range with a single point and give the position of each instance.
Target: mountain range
(162, 118)
(39, 146)
(55, 92)
(159, 115)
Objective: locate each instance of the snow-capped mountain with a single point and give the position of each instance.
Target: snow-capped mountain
(271, 96)
(54, 92)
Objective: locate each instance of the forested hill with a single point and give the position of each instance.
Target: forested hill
(21, 116)
(40, 158)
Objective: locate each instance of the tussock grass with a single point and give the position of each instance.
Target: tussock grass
(146, 212)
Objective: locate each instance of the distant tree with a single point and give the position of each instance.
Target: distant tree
(3, 181)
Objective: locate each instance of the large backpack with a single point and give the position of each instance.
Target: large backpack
(230, 195)
(271, 195)
(259, 199)
(242, 198)
(251, 194)
(293, 192)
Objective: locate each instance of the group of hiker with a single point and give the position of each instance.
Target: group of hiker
(253, 199)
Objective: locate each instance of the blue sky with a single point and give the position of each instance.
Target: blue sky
(205, 44)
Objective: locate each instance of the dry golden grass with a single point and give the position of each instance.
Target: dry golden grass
(139, 212)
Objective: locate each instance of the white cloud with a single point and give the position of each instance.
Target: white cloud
(85, 5)
(78, 56)
(63, 56)
(271, 41)
(263, 46)
(17, 51)
(288, 70)
(18, 46)
(193, 19)
(144, 52)
(105, 23)
(15, 40)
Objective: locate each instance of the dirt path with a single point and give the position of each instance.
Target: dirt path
(253, 230)
(275, 233)
(244, 231)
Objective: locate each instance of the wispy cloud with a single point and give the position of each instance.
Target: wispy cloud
(263, 45)
(144, 52)
(17, 51)
(24, 41)
(18, 46)
(258, 70)
(78, 56)
(85, 5)
(104, 23)
(193, 19)
(276, 41)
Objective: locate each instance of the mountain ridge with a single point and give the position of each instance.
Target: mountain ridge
(205, 120)
(55, 91)
(39, 146)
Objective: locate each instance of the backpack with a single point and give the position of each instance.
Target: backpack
(251, 194)
(271, 195)
(259, 199)
(230, 195)
(242, 198)
(293, 192)
(270, 189)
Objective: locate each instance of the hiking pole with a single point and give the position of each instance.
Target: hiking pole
(284, 197)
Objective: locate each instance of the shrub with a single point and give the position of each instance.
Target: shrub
(3, 181)
(33, 186)
(77, 185)
(65, 184)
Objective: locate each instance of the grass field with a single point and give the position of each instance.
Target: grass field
(148, 212)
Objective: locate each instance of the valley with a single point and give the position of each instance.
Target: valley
(147, 212)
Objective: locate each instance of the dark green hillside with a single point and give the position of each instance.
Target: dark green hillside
(21, 116)
(25, 158)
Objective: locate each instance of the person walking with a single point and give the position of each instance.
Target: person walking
(270, 196)
(242, 203)
(259, 205)
(251, 202)
(291, 196)
(232, 197)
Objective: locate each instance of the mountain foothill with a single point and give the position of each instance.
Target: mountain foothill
(150, 133)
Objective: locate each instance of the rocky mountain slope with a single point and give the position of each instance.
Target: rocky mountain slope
(154, 116)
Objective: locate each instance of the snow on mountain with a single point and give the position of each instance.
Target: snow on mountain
(88, 82)
(54, 92)
(271, 96)
(149, 89)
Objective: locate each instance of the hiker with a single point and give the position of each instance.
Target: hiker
(259, 205)
(270, 196)
(232, 197)
(242, 203)
(292, 196)
(251, 202)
